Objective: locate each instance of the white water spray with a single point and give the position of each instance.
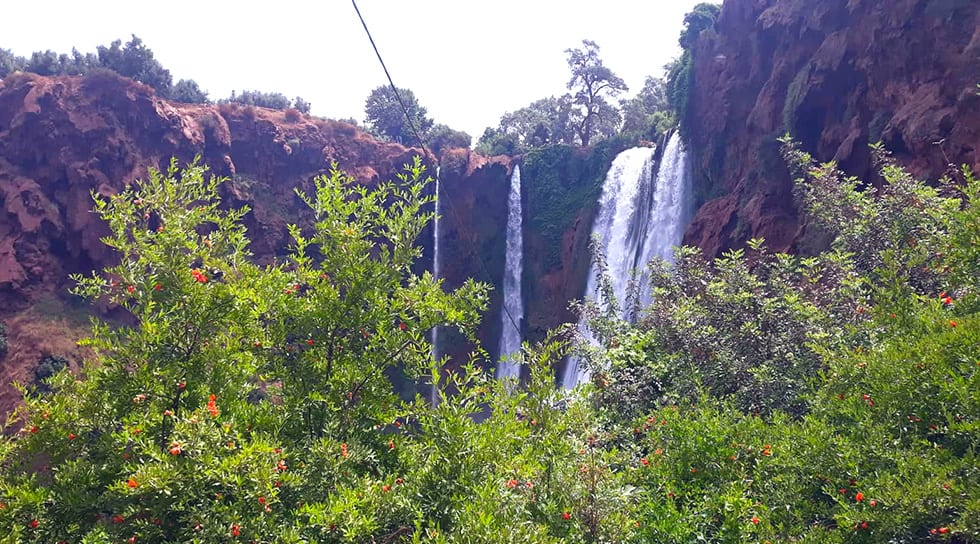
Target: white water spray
(639, 218)
(434, 389)
(512, 312)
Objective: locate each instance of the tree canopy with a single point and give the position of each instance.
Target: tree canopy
(386, 119)
(593, 86)
(136, 61)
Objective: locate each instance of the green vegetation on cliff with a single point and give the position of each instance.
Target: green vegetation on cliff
(563, 184)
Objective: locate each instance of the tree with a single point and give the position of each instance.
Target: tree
(442, 137)
(302, 105)
(593, 85)
(136, 61)
(387, 120)
(543, 122)
(274, 101)
(187, 90)
(702, 17)
(9, 62)
(648, 113)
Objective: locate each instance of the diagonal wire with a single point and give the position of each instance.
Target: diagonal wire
(418, 135)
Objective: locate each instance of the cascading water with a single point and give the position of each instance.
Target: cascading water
(513, 307)
(434, 390)
(639, 218)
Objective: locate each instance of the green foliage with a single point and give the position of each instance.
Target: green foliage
(387, 120)
(302, 105)
(274, 101)
(561, 182)
(9, 62)
(442, 137)
(648, 115)
(136, 61)
(544, 122)
(48, 366)
(762, 397)
(188, 91)
(680, 83)
(699, 19)
(680, 72)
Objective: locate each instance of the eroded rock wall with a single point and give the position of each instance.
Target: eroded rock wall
(836, 74)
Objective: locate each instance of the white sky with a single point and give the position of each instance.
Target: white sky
(468, 62)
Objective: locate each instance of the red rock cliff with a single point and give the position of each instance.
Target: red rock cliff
(62, 138)
(836, 74)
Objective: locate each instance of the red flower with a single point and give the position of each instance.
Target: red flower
(512, 483)
(399, 481)
(71, 436)
(391, 444)
(386, 488)
(943, 530)
(235, 530)
(131, 289)
(212, 406)
(755, 520)
(33, 429)
(132, 483)
(199, 276)
(117, 519)
(175, 449)
(859, 497)
(262, 501)
(864, 524)
(343, 450)
(309, 342)
(566, 516)
(158, 287)
(182, 385)
(644, 461)
(952, 324)
(281, 465)
(402, 326)
(34, 523)
(947, 300)
(873, 503)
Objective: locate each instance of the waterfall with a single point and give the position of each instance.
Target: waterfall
(513, 306)
(434, 390)
(640, 217)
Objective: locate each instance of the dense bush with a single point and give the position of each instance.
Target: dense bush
(827, 399)
(188, 91)
(834, 399)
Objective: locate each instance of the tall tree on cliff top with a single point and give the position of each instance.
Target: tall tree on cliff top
(387, 120)
(136, 61)
(593, 85)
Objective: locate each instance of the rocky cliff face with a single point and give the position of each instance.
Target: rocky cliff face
(63, 138)
(836, 74)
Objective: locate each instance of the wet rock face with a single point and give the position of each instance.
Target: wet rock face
(836, 74)
(63, 138)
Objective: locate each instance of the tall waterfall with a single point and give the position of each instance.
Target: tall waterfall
(434, 390)
(639, 218)
(513, 308)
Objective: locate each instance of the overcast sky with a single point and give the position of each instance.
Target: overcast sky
(468, 62)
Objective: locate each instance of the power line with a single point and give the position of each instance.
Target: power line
(411, 123)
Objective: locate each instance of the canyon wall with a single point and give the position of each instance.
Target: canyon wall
(837, 75)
